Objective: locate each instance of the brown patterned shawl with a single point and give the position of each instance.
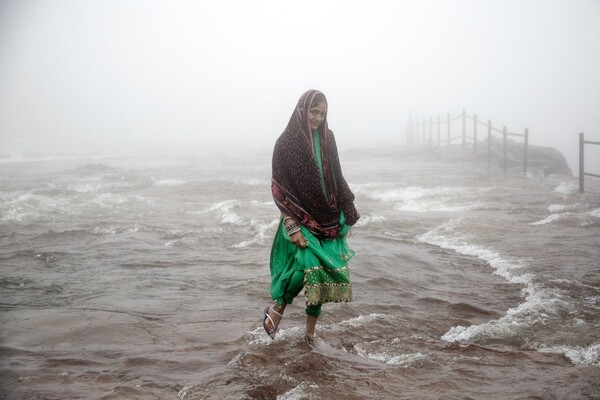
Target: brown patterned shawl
(296, 183)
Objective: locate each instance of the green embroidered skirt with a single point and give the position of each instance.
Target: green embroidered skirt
(322, 266)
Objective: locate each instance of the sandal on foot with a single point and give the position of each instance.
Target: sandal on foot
(266, 318)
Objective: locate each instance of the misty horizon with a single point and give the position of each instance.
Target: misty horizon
(110, 76)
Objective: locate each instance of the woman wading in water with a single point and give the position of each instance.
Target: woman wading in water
(317, 209)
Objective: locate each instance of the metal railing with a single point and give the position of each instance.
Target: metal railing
(582, 173)
(417, 130)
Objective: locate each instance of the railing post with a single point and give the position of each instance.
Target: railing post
(504, 150)
(489, 141)
(448, 129)
(581, 172)
(464, 133)
(430, 132)
(525, 144)
(438, 131)
(475, 133)
(416, 125)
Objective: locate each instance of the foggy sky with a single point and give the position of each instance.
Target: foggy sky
(112, 75)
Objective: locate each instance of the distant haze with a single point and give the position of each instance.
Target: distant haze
(115, 75)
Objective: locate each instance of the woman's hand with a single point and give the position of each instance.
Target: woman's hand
(298, 239)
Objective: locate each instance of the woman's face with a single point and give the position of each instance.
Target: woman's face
(316, 115)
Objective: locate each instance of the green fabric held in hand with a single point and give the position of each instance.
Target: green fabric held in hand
(323, 262)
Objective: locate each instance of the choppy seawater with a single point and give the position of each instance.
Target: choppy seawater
(145, 277)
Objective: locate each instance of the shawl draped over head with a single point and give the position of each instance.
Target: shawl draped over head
(296, 183)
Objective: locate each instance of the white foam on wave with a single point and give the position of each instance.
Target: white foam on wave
(408, 193)
(225, 209)
(97, 187)
(383, 355)
(446, 237)
(354, 322)
(42, 205)
(422, 207)
(260, 233)
(182, 394)
(560, 212)
(566, 188)
(555, 208)
(109, 199)
(168, 182)
(260, 337)
(549, 219)
(299, 392)
(31, 206)
(423, 199)
(113, 230)
(366, 220)
(387, 358)
(558, 208)
(582, 219)
(250, 182)
(542, 305)
(578, 354)
(262, 203)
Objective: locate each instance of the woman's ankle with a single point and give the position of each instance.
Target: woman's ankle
(278, 310)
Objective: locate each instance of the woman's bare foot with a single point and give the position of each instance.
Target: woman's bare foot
(310, 341)
(309, 337)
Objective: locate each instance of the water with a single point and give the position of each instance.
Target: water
(145, 277)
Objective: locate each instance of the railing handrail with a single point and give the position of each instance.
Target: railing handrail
(497, 130)
(432, 121)
(420, 131)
